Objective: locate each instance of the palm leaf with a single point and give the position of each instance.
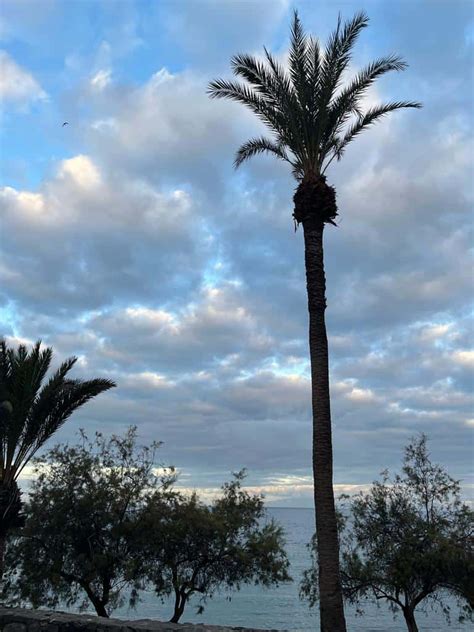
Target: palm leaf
(369, 118)
(71, 395)
(260, 145)
(257, 74)
(336, 58)
(221, 89)
(347, 103)
(29, 412)
(338, 53)
(313, 78)
(290, 107)
(298, 63)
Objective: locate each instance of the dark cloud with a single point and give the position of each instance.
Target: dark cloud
(147, 256)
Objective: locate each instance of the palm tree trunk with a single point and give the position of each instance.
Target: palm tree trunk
(330, 593)
(3, 541)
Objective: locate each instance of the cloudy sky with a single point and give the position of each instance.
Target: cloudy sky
(127, 238)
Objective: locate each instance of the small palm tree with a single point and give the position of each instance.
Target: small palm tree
(29, 414)
(312, 118)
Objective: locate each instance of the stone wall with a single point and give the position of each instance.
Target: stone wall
(20, 620)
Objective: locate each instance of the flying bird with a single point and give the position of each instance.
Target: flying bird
(65, 123)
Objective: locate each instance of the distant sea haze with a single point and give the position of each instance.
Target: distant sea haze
(280, 608)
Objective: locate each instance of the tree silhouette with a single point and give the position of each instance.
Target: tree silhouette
(30, 412)
(312, 118)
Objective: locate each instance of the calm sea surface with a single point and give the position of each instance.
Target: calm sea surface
(280, 607)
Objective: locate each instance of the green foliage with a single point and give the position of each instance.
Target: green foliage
(84, 517)
(407, 541)
(101, 525)
(193, 548)
(311, 118)
(30, 413)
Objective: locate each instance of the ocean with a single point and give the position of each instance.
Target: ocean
(280, 608)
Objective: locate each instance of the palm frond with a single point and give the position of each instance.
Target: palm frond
(336, 58)
(19, 390)
(290, 105)
(347, 102)
(314, 64)
(29, 412)
(349, 98)
(222, 89)
(41, 408)
(69, 397)
(298, 63)
(281, 77)
(260, 145)
(338, 54)
(369, 118)
(283, 119)
(304, 64)
(256, 73)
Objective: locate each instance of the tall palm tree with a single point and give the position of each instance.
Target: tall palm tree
(29, 414)
(312, 118)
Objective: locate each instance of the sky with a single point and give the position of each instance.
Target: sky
(128, 239)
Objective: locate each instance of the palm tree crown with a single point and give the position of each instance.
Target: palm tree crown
(311, 117)
(31, 412)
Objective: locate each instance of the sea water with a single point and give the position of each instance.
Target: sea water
(280, 608)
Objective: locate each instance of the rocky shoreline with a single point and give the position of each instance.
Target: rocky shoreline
(24, 620)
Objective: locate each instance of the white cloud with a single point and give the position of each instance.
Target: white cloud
(362, 395)
(101, 79)
(90, 212)
(277, 492)
(436, 332)
(104, 125)
(464, 358)
(81, 170)
(349, 390)
(151, 319)
(207, 330)
(26, 203)
(19, 340)
(17, 85)
(147, 380)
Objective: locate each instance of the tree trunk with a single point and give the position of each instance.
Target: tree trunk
(330, 593)
(3, 542)
(98, 604)
(11, 516)
(179, 603)
(100, 609)
(409, 614)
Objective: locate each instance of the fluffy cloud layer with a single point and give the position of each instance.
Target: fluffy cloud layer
(143, 253)
(17, 85)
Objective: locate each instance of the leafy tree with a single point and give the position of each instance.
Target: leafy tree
(30, 412)
(312, 118)
(192, 548)
(407, 541)
(85, 516)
